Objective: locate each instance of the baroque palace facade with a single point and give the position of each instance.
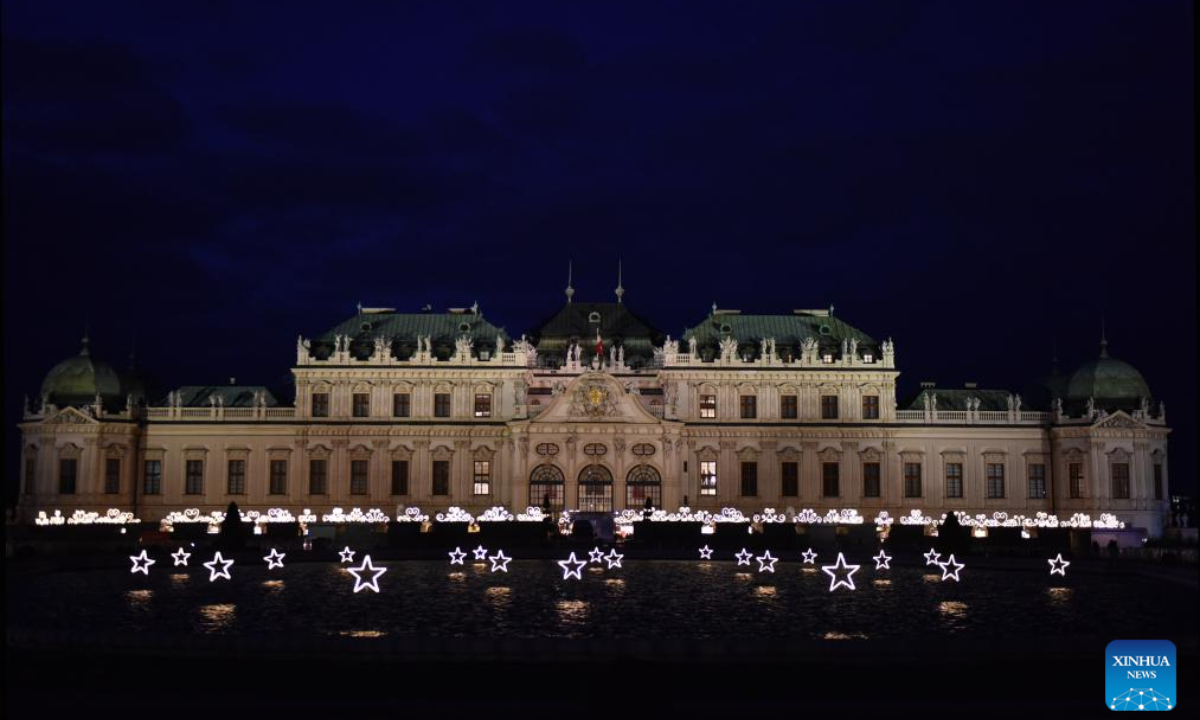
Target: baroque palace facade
(595, 410)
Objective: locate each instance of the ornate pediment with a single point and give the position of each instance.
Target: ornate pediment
(595, 397)
(1118, 420)
(69, 416)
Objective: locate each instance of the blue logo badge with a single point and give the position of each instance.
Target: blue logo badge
(1139, 675)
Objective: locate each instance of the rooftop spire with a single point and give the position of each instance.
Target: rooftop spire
(620, 288)
(84, 349)
(570, 290)
(1103, 338)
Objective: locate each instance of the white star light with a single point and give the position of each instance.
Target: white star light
(882, 560)
(181, 557)
(932, 557)
(706, 553)
(766, 563)
(347, 554)
(480, 553)
(499, 562)
(567, 571)
(275, 559)
(213, 572)
(596, 555)
(810, 557)
(744, 556)
(946, 573)
(456, 556)
(141, 564)
(367, 567)
(831, 571)
(613, 559)
(1058, 565)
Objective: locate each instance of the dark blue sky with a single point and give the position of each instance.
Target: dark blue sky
(976, 180)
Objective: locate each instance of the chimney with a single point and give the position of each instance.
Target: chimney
(928, 384)
(233, 381)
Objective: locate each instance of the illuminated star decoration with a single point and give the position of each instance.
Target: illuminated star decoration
(810, 557)
(596, 555)
(613, 559)
(347, 554)
(882, 560)
(1058, 565)
(831, 571)
(744, 556)
(706, 553)
(367, 567)
(947, 574)
(275, 559)
(456, 556)
(499, 561)
(141, 563)
(932, 557)
(213, 572)
(766, 562)
(181, 557)
(567, 571)
(480, 553)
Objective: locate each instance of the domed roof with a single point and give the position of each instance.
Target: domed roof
(77, 380)
(1107, 379)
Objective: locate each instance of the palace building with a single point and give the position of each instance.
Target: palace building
(597, 410)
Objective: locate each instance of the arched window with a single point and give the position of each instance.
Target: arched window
(643, 482)
(547, 482)
(595, 489)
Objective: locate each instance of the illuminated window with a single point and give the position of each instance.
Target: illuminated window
(595, 489)
(749, 406)
(193, 483)
(871, 479)
(995, 480)
(362, 404)
(546, 488)
(641, 484)
(441, 477)
(954, 480)
(318, 476)
(788, 407)
(441, 405)
(67, 469)
(320, 404)
(789, 474)
(112, 476)
(749, 479)
(483, 405)
(708, 406)
(1120, 481)
(401, 405)
(236, 477)
(830, 479)
(152, 480)
(708, 477)
(278, 478)
(829, 407)
(1037, 481)
(358, 477)
(1075, 479)
(870, 407)
(483, 477)
(827, 358)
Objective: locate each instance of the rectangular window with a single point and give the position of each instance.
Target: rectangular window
(441, 405)
(1158, 481)
(399, 477)
(708, 406)
(871, 479)
(912, 480)
(318, 476)
(278, 477)
(112, 476)
(790, 479)
(749, 479)
(483, 477)
(1120, 481)
(483, 405)
(870, 407)
(362, 404)
(152, 482)
(441, 477)
(995, 480)
(788, 407)
(829, 407)
(193, 477)
(359, 476)
(1075, 479)
(749, 406)
(954, 480)
(401, 405)
(829, 479)
(708, 477)
(67, 469)
(1037, 481)
(30, 473)
(237, 477)
(320, 404)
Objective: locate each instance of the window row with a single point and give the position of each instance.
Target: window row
(547, 488)
(789, 407)
(360, 405)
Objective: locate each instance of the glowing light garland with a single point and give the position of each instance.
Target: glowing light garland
(499, 561)
(567, 571)
(495, 514)
(766, 563)
(596, 555)
(347, 554)
(456, 556)
(810, 556)
(455, 514)
(532, 514)
(367, 567)
(1058, 565)
(308, 516)
(275, 559)
(356, 515)
(411, 514)
(882, 560)
(213, 572)
(480, 553)
(950, 563)
(831, 571)
(86, 517)
(706, 553)
(141, 563)
(744, 556)
(181, 557)
(932, 557)
(808, 516)
(613, 558)
(769, 515)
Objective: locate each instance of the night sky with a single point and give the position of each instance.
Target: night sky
(980, 182)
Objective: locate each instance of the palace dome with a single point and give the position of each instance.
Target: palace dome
(1109, 381)
(77, 380)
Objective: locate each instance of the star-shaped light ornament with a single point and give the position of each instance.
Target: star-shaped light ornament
(213, 572)
(371, 583)
(613, 558)
(456, 556)
(832, 570)
(933, 557)
(499, 561)
(347, 554)
(181, 557)
(810, 557)
(596, 555)
(141, 563)
(947, 573)
(706, 553)
(1058, 565)
(275, 559)
(882, 560)
(766, 563)
(566, 566)
(480, 553)
(744, 557)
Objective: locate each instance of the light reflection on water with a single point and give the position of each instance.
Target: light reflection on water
(881, 583)
(179, 580)
(363, 633)
(273, 585)
(766, 591)
(216, 618)
(953, 608)
(834, 635)
(139, 599)
(572, 612)
(1060, 595)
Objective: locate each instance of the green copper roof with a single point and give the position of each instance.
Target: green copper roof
(789, 332)
(616, 324)
(1108, 379)
(403, 329)
(233, 395)
(77, 380)
(956, 399)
